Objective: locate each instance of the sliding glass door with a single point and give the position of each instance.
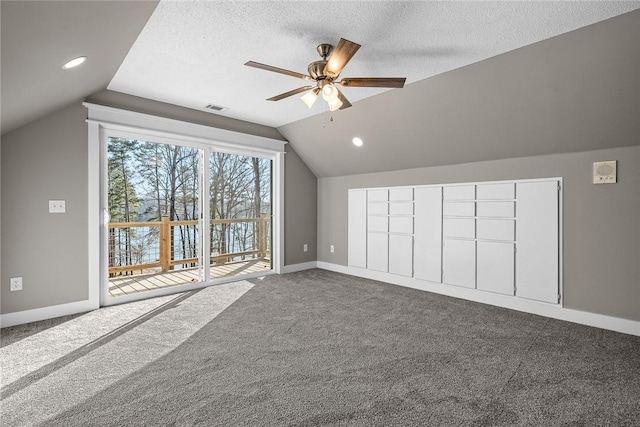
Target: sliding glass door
(182, 216)
(240, 214)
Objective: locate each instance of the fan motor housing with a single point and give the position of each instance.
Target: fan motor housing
(316, 69)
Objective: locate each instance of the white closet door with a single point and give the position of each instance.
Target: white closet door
(459, 192)
(377, 252)
(537, 241)
(358, 228)
(459, 209)
(495, 267)
(496, 209)
(378, 223)
(495, 229)
(401, 254)
(498, 191)
(401, 224)
(459, 262)
(460, 227)
(427, 225)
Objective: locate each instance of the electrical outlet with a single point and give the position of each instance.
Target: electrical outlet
(57, 206)
(305, 247)
(16, 283)
(332, 249)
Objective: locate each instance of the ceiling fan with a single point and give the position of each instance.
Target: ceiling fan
(325, 72)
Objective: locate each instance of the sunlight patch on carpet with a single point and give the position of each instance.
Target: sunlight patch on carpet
(79, 358)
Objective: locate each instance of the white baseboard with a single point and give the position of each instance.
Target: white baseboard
(616, 324)
(299, 267)
(553, 311)
(44, 313)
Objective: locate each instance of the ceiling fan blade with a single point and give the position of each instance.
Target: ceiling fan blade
(277, 70)
(290, 93)
(344, 100)
(342, 53)
(395, 82)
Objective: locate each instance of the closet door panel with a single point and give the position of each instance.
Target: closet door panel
(459, 227)
(459, 262)
(428, 234)
(496, 267)
(459, 209)
(537, 234)
(377, 252)
(496, 229)
(378, 223)
(357, 240)
(400, 208)
(378, 195)
(401, 254)
(459, 192)
(496, 209)
(401, 224)
(378, 208)
(401, 194)
(498, 191)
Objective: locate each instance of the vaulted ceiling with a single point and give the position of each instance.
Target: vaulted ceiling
(191, 54)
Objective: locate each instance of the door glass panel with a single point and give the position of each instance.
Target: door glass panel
(240, 212)
(154, 206)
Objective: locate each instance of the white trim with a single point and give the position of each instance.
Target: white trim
(277, 194)
(300, 267)
(118, 119)
(339, 268)
(94, 215)
(553, 311)
(44, 313)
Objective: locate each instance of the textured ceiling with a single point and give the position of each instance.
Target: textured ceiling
(192, 53)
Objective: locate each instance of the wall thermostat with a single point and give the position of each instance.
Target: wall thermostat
(605, 172)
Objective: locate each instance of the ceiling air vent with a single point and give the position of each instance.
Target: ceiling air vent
(215, 107)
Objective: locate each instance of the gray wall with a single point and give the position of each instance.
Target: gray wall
(47, 159)
(601, 222)
(300, 210)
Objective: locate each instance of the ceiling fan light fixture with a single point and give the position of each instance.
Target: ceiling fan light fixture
(325, 72)
(310, 97)
(334, 104)
(329, 92)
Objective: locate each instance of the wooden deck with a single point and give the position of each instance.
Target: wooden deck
(125, 285)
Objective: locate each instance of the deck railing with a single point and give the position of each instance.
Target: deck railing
(165, 249)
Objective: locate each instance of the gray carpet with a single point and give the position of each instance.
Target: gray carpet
(320, 348)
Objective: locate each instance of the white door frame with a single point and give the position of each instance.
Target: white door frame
(108, 121)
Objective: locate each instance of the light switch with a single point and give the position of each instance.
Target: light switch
(57, 206)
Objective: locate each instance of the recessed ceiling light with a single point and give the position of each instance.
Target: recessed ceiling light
(358, 142)
(74, 62)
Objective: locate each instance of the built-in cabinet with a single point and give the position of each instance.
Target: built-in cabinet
(427, 246)
(498, 237)
(357, 228)
(389, 220)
